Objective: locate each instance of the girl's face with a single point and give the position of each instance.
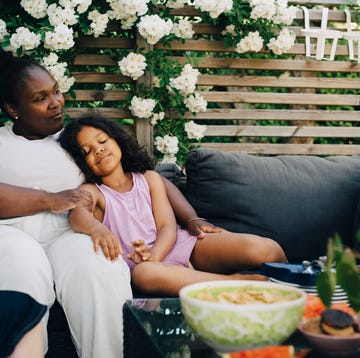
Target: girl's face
(102, 153)
(39, 107)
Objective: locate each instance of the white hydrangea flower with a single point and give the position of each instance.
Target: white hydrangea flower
(195, 103)
(36, 8)
(262, 9)
(168, 145)
(50, 60)
(284, 15)
(98, 23)
(167, 159)
(3, 30)
(156, 82)
(142, 108)
(152, 28)
(133, 65)
(80, 5)
(127, 11)
(61, 39)
(229, 29)
(214, 7)
(252, 42)
(183, 29)
(57, 69)
(283, 42)
(65, 83)
(176, 4)
(110, 86)
(58, 15)
(24, 38)
(156, 117)
(194, 130)
(186, 82)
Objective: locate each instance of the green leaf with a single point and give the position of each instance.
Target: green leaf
(348, 278)
(325, 284)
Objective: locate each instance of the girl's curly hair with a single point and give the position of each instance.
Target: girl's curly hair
(134, 157)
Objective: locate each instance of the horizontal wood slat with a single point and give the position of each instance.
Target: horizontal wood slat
(273, 114)
(310, 65)
(283, 131)
(98, 95)
(116, 113)
(282, 98)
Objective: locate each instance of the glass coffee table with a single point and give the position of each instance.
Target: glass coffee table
(156, 328)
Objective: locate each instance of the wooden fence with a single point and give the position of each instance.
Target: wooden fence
(289, 104)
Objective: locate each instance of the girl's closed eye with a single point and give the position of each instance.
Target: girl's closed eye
(85, 152)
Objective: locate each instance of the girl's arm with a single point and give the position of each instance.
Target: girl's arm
(164, 217)
(90, 223)
(18, 201)
(186, 214)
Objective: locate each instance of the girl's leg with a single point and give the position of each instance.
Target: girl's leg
(226, 252)
(31, 345)
(159, 278)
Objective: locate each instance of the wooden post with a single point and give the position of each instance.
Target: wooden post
(143, 128)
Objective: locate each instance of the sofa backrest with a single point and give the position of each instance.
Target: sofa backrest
(299, 201)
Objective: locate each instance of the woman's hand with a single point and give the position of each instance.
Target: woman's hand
(141, 252)
(199, 227)
(106, 239)
(69, 199)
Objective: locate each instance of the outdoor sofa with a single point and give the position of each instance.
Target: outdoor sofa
(299, 201)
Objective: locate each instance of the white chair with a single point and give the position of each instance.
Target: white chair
(351, 37)
(321, 34)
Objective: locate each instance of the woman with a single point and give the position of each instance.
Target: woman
(37, 247)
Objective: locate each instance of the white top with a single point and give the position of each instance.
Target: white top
(38, 163)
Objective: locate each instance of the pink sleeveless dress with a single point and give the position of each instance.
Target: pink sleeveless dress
(129, 216)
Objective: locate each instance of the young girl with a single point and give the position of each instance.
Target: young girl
(133, 217)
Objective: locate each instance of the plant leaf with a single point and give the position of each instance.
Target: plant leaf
(348, 278)
(325, 284)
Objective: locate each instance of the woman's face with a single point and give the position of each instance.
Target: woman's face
(102, 153)
(39, 107)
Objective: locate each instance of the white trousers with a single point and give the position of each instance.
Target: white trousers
(40, 250)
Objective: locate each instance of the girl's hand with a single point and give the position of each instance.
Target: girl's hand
(141, 252)
(199, 227)
(108, 242)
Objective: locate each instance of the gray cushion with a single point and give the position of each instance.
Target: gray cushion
(299, 201)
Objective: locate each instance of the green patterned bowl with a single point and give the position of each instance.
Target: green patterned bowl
(230, 327)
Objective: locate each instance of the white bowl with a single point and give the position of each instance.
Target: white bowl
(229, 327)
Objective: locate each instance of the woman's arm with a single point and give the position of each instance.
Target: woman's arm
(88, 222)
(164, 217)
(18, 201)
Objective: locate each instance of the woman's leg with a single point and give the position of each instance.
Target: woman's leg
(24, 266)
(31, 345)
(226, 252)
(92, 291)
(159, 278)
